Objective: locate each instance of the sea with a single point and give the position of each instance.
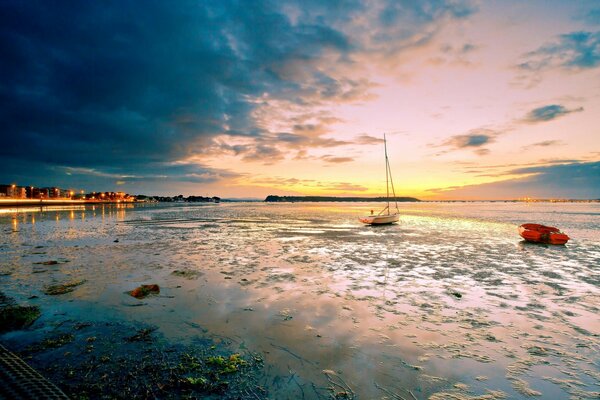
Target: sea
(449, 302)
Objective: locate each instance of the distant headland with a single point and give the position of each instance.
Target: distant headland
(293, 199)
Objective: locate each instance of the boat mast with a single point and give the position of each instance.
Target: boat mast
(387, 167)
(393, 190)
(389, 172)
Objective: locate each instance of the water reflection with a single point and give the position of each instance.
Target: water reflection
(65, 212)
(450, 300)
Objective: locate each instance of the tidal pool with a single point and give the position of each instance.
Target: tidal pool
(448, 303)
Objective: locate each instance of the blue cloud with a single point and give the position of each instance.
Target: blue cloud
(592, 17)
(578, 180)
(548, 113)
(575, 50)
(475, 140)
(396, 10)
(470, 140)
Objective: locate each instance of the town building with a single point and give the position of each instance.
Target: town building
(13, 191)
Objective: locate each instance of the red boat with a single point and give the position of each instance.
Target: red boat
(542, 234)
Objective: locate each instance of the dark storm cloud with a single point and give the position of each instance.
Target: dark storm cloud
(133, 87)
(96, 84)
(575, 50)
(548, 113)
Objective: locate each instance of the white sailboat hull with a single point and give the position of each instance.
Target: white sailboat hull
(379, 219)
(384, 216)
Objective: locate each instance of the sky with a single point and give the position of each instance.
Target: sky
(242, 99)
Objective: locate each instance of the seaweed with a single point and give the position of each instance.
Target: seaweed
(54, 290)
(187, 273)
(15, 317)
(57, 341)
(99, 360)
(142, 335)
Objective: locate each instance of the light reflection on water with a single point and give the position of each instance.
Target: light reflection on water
(449, 296)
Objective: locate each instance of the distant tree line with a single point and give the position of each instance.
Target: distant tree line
(178, 199)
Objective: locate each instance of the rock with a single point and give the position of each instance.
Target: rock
(142, 291)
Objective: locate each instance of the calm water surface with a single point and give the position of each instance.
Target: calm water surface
(449, 303)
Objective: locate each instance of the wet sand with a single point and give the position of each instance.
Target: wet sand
(449, 303)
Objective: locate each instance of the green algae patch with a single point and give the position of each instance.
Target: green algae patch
(218, 373)
(15, 317)
(227, 365)
(54, 290)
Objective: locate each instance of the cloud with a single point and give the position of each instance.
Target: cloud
(336, 160)
(571, 51)
(343, 187)
(545, 143)
(365, 139)
(263, 153)
(474, 140)
(478, 139)
(149, 177)
(592, 17)
(577, 180)
(88, 85)
(309, 185)
(471, 140)
(452, 54)
(548, 113)
(507, 170)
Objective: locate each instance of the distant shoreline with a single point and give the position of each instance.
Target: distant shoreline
(9, 203)
(54, 202)
(300, 199)
(293, 199)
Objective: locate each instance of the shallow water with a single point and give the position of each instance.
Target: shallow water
(449, 303)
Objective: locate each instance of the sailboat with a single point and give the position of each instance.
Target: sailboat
(385, 216)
